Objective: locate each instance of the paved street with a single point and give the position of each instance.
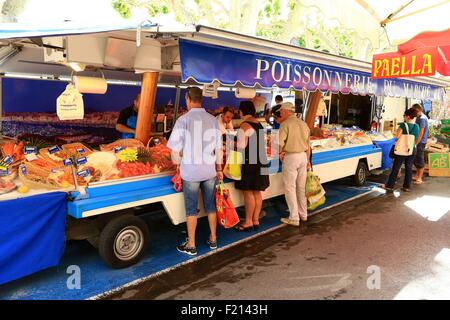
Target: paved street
(404, 236)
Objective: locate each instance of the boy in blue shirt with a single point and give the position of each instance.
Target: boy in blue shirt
(419, 161)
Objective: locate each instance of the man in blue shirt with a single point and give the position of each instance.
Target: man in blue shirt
(126, 124)
(421, 142)
(196, 144)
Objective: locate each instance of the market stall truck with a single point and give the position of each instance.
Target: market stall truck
(105, 214)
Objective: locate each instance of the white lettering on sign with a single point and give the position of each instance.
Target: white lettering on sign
(300, 75)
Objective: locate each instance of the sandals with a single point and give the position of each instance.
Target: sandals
(240, 228)
(417, 181)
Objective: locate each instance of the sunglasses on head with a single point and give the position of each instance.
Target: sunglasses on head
(277, 114)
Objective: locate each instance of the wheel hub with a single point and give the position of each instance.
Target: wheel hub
(128, 243)
(362, 175)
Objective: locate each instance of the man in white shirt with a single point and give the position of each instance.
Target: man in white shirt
(224, 120)
(197, 147)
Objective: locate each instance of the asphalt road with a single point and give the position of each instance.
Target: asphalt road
(393, 246)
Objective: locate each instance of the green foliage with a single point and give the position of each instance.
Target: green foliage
(292, 4)
(271, 31)
(271, 24)
(122, 7)
(272, 8)
(154, 10)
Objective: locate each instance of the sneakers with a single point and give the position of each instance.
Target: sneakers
(294, 223)
(192, 251)
(212, 244)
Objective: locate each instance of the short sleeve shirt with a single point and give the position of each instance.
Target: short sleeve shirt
(422, 121)
(125, 114)
(196, 135)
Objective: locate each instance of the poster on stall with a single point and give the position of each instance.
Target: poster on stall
(439, 164)
(70, 105)
(210, 90)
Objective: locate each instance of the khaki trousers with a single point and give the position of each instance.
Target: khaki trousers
(294, 179)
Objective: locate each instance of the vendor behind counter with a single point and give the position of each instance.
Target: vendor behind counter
(126, 123)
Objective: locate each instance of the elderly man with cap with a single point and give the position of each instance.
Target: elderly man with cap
(295, 153)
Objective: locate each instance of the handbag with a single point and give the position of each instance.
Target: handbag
(405, 144)
(227, 216)
(391, 152)
(232, 169)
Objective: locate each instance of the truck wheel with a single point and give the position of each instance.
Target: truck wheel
(361, 174)
(123, 241)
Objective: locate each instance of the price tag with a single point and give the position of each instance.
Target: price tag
(23, 169)
(31, 156)
(4, 172)
(118, 149)
(83, 173)
(81, 161)
(7, 160)
(28, 150)
(68, 162)
(81, 151)
(54, 149)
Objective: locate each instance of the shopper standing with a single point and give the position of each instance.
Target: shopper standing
(253, 180)
(419, 161)
(196, 144)
(413, 129)
(295, 153)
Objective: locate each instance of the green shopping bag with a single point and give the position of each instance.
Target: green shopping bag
(315, 193)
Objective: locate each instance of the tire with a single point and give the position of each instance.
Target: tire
(361, 173)
(123, 241)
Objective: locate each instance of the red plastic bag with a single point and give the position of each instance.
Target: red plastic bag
(226, 213)
(177, 182)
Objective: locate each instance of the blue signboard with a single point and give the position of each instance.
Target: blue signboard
(206, 63)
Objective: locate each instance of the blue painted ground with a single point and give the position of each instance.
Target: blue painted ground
(97, 278)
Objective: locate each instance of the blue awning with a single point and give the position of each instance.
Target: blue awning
(206, 63)
(21, 30)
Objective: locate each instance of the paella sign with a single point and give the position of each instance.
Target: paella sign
(394, 65)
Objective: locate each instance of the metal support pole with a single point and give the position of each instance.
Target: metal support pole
(1, 106)
(177, 104)
(329, 108)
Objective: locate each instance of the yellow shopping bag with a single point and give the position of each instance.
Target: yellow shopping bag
(233, 165)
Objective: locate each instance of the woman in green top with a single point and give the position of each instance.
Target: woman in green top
(413, 129)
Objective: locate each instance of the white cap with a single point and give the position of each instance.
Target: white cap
(287, 106)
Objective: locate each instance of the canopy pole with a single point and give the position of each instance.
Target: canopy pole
(146, 106)
(313, 105)
(329, 108)
(177, 104)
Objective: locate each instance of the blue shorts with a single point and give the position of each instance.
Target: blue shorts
(419, 161)
(190, 191)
